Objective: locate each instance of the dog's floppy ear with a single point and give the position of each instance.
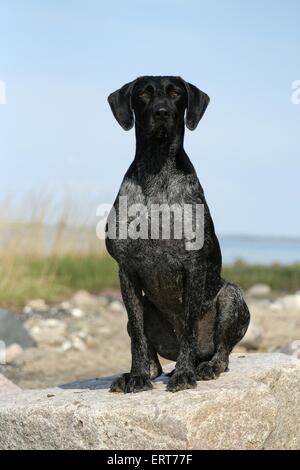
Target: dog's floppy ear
(120, 103)
(196, 105)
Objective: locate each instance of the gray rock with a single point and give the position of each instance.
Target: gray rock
(65, 305)
(259, 291)
(253, 406)
(66, 346)
(77, 341)
(49, 331)
(292, 348)
(36, 305)
(13, 352)
(287, 302)
(117, 307)
(103, 301)
(13, 331)
(85, 301)
(77, 313)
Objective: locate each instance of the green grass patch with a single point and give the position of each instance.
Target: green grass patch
(54, 278)
(277, 276)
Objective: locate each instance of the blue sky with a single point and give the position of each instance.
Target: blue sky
(60, 60)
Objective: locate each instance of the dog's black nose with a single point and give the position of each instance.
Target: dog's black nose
(162, 113)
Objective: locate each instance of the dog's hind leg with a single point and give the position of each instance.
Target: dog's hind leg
(232, 320)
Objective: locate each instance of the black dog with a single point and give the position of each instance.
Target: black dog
(177, 302)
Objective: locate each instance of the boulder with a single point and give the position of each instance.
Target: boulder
(253, 406)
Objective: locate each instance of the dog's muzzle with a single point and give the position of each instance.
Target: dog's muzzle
(161, 114)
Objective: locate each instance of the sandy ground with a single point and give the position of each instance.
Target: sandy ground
(106, 348)
(47, 365)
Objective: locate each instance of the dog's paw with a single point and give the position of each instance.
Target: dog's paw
(138, 383)
(118, 385)
(181, 381)
(128, 383)
(207, 371)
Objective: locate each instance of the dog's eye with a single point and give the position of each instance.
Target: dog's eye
(174, 93)
(144, 94)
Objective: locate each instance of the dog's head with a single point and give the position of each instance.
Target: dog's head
(158, 105)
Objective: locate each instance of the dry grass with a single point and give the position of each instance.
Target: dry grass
(38, 260)
(49, 261)
(54, 278)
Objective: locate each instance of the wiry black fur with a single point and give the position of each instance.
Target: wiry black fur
(177, 302)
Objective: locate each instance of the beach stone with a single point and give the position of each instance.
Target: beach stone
(292, 348)
(65, 305)
(85, 301)
(289, 302)
(117, 306)
(13, 352)
(259, 291)
(77, 313)
(66, 346)
(276, 306)
(248, 407)
(78, 342)
(12, 330)
(253, 337)
(48, 332)
(103, 301)
(36, 305)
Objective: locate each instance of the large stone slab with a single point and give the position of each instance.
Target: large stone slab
(256, 405)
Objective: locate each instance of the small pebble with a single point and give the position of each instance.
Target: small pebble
(77, 313)
(13, 352)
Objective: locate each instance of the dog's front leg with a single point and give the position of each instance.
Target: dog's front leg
(184, 375)
(139, 377)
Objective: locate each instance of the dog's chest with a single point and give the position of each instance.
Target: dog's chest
(151, 214)
(145, 216)
(149, 247)
(157, 189)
